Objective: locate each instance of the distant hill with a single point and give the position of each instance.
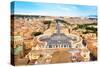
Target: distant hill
(92, 16)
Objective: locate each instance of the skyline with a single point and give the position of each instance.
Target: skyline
(52, 9)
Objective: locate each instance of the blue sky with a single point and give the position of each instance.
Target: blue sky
(51, 9)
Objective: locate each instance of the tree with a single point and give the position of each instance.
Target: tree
(36, 33)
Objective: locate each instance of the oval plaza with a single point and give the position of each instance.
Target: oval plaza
(61, 40)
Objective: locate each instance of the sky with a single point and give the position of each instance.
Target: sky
(51, 9)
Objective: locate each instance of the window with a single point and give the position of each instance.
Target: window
(56, 46)
(50, 46)
(64, 45)
(76, 46)
(61, 45)
(69, 46)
